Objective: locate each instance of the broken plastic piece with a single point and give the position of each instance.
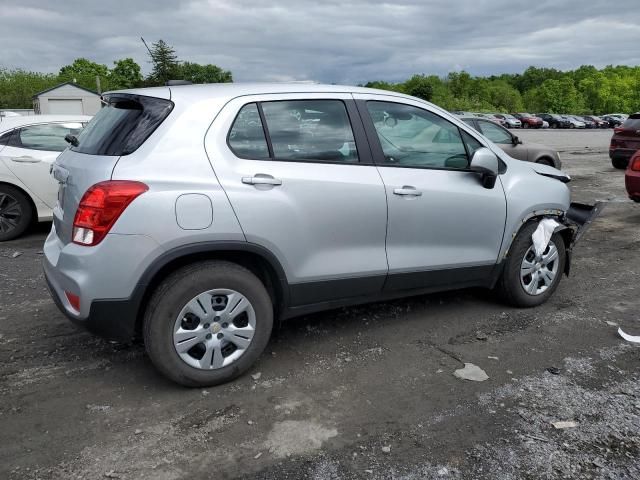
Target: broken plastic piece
(563, 425)
(471, 372)
(542, 235)
(628, 338)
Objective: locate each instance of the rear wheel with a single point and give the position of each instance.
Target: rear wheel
(529, 280)
(15, 213)
(525, 125)
(545, 161)
(208, 323)
(619, 163)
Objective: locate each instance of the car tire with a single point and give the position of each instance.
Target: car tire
(16, 213)
(525, 125)
(619, 163)
(512, 284)
(554, 125)
(546, 161)
(193, 283)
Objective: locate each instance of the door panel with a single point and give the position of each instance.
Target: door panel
(32, 168)
(450, 221)
(324, 219)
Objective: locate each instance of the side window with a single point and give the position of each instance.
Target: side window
(414, 137)
(246, 137)
(4, 138)
(309, 130)
(48, 136)
(495, 133)
(469, 122)
(471, 143)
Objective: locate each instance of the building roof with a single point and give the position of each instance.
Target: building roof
(62, 85)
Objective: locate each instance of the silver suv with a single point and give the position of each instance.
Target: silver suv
(196, 216)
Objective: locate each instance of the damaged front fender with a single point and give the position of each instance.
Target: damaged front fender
(576, 221)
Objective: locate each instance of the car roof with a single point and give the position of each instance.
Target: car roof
(9, 123)
(233, 90)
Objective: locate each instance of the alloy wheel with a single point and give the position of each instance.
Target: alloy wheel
(10, 213)
(537, 274)
(214, 329)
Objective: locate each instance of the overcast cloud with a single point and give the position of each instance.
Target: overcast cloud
(340, 42)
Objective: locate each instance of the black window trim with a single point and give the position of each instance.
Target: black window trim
(363, 149)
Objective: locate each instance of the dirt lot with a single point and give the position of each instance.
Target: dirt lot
(365, 392)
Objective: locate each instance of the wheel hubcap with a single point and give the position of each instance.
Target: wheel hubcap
(537, 274)
(10, 213)
(214, 329)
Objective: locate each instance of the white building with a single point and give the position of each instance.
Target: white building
(67, 98)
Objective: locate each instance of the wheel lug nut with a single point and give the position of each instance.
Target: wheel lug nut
(225, 325)
(220, 335)
(217, 319)
(206, 325)
(208, 336)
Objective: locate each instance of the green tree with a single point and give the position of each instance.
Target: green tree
(125, 74)
(165, 63)
(209, 73)
(84, 73)
(419, 86)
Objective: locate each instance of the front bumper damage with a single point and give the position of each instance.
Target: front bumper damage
(576, 221)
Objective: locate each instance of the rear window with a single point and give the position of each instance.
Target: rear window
(632, 123)
(122, 125)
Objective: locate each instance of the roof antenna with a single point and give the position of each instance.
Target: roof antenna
(148, 49)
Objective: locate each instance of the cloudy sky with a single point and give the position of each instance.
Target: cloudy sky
(347, 41)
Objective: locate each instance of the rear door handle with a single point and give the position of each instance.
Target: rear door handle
(26, 159)
(407, 191)
(261, 179)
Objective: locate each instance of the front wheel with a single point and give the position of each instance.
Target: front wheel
(208, 323)
(529, 280)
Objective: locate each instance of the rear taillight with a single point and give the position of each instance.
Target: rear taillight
(618, 130)
(101, 206)
(635, 163)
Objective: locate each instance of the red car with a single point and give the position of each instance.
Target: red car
(528, 120)
(632, 177)
(625, 141)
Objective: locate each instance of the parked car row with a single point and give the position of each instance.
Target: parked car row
(548, 120)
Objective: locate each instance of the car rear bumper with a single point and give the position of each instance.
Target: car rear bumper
(632, 183)
(104, 278)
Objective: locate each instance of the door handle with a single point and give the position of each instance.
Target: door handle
(261, 179)
(407, 191)
(25, 159)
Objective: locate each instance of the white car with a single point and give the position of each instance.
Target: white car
(28, 147)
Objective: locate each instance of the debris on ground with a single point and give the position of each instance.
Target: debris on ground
(564, 424)
(386, 449)
(553, 370)
(627, 337)
(610, 323)
(256, 376)
(471, 372)
(16, 254)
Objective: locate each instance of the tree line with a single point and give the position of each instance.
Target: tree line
(17, 87)
(585, 90)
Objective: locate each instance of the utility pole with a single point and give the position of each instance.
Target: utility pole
(98, 83)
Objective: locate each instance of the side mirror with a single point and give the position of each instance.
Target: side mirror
(515, 140)
(485, 162)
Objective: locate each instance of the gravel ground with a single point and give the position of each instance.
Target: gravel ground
(365, 392)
